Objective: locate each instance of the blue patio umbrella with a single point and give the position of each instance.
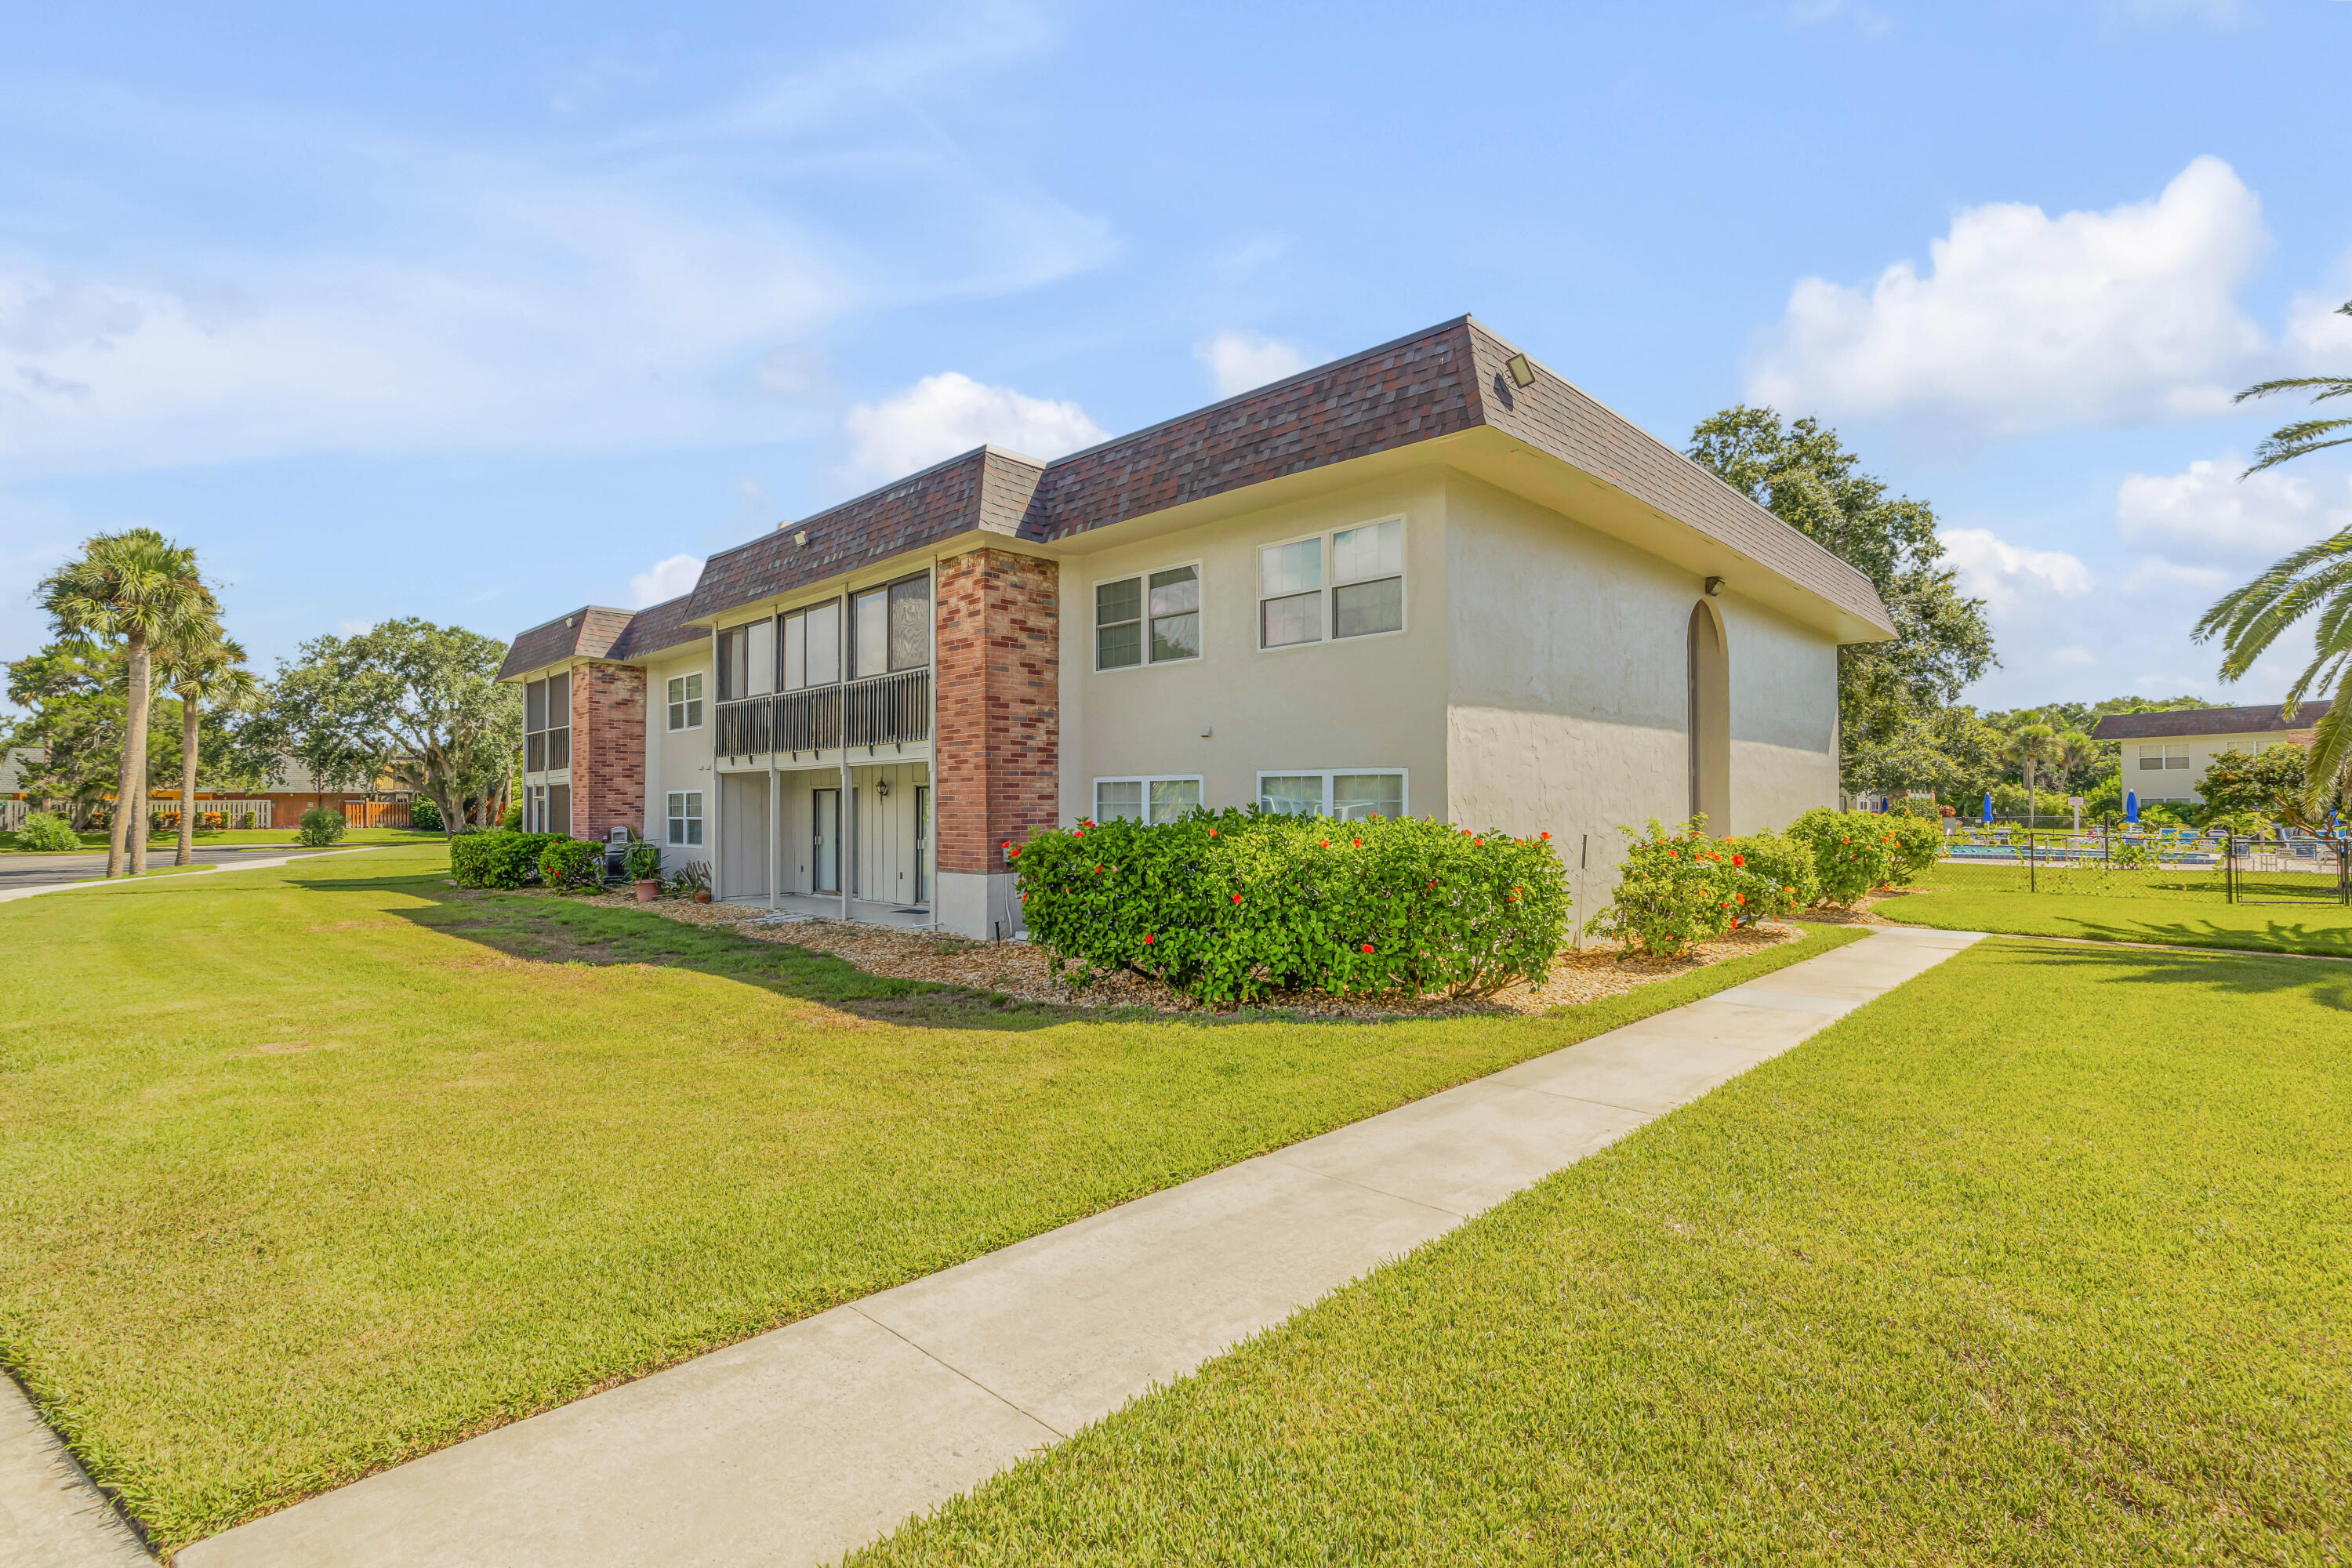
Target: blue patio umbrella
(1986, 818)
(2131, 805)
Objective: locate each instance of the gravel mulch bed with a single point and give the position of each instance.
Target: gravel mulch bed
(1018, 970)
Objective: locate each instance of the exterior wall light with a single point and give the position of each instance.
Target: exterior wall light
(1714, 587)
(1522, 368)
(799, 539)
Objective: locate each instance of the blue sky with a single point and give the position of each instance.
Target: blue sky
(481, 316)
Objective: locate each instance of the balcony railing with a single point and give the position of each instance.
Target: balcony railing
(886, 709)
(744, 728)
(890, 707)
(808, 720)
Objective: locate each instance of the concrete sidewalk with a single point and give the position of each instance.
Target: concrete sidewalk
(802, 1444)
(51, 1515)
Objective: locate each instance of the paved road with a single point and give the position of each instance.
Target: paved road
(86, 865)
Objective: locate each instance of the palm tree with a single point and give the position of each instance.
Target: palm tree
(2031, 746)
(2076, 751)
(2304, 435)
(2317, 579)
(138, 587)
(207, 668)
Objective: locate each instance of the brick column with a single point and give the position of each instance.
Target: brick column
(608, 749)
(998, 744)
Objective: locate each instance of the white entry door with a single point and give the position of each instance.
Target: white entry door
(826, 842)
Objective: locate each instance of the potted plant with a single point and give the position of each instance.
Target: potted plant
(692, 880)
(642, 866)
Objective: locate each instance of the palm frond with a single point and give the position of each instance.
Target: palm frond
(2298, 440)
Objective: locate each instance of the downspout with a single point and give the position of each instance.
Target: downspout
(845, 825)
(931, 828)
(715, 809)
(775, 778)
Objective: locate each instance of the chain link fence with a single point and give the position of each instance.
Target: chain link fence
(2286, 869)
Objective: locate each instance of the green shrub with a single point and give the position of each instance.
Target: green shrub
(1677, 888)
(512, 820)
(1784, 865)
(572, 863)
(1232, 906)
(43, 830)
(318, 826)
(1853, 851)
(641, 862)
(1918, 842)
(498, 859)
(424, 814)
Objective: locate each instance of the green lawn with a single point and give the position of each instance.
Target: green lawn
(2041, 1258)
(2323, 929)
(306, 1170)
(238, 838)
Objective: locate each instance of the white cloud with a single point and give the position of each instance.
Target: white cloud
(2073, 658)
(2024, 320)
(666, 579)
(2154, 574)
(2007, 577)
(2208, 512)
(1239, 360)
(943, 415)
(2320, 332)
(620, 286)
(2220, 13)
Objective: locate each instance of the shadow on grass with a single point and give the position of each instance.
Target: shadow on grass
(2247, 972)
(549, 929)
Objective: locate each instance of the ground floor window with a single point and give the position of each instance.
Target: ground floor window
(686, 817)
(1145, 799)
(1351, 795)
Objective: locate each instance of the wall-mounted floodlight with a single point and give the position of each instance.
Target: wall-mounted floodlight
(799, 539)
(1522, 368)
(1714, 587)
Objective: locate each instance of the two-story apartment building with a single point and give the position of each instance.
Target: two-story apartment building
(1431, 578)
(2165, 755)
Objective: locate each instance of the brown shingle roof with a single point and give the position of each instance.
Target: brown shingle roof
(1437, 383)
(655, 627)
(588, 632)
(983, 488)
(2260, 720)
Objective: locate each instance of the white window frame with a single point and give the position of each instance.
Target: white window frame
(684, 704)
(1142, 579)
(677, 814)
(2172, 759)
(1404, 776)
(1329, 590)
(1146, 781)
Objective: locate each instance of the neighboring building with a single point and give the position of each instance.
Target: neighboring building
(2164, 755)
(1432, 578)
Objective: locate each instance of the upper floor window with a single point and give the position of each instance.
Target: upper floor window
(686, 701)
(1153, 617)
(812, 647)
(1346, 583)
(890, 627)
(747, 660)
(547, 723)
(2153, 758)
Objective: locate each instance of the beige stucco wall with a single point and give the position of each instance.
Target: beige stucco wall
(679, 760)
(2182, 784)
(1372, 702)
(1783, 716)
(1570, 663)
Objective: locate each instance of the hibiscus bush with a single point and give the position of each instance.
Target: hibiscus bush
(1785, 867)
(1853, 851)
(1918, 841)
(1232, 906)
(1678, 888)
(572, 863)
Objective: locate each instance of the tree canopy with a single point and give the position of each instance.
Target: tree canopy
(406, 700)
(1889, 692)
